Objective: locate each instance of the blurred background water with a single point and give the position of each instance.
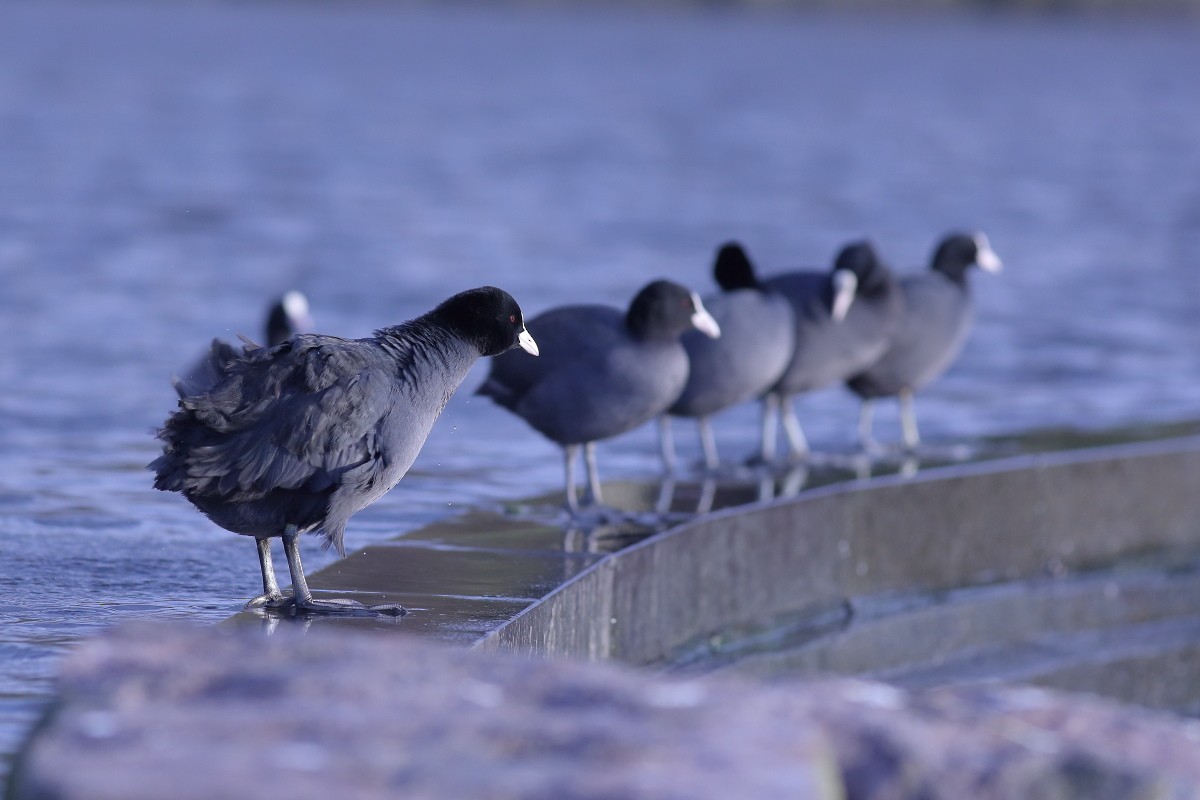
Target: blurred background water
(167, 169)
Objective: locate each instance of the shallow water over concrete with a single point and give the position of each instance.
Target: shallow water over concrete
(1076, 570)
(994, 573)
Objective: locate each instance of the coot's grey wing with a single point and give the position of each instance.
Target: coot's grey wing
(606, 390)
(932, 331)
(207, 370)
(808, 291)
(566, 337)
(755, 346)
(297, 415)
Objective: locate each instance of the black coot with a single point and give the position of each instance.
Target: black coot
(932, 331)
(298, 437)
(602, 372)
(844, 319)
(755, 346)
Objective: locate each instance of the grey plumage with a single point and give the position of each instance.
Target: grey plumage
(756, 344)
(931, 332)
(843, 320)
(298, 437)
(288, 315)
(602, 371)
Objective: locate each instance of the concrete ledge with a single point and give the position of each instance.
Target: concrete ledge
(799, 565)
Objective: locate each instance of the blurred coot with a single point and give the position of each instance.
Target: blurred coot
(602, 371)
(932, 330)
(843, 320)
(755, 346)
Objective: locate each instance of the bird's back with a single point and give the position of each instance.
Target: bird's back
(755, 345)
(265, 421)
(284, 430)
(932, 331)
(592, 380)
(828, 351)
(571, 334)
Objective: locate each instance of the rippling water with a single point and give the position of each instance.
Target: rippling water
(164, 171)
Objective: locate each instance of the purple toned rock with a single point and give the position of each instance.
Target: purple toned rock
(154, 711)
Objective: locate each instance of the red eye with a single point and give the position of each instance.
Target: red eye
(512, 317)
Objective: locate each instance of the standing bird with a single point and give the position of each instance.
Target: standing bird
(287, 316)
(755, 346)
(844, 319)
(298, 437)
(932, 331)
(602, 371)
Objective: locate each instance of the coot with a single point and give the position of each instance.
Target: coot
(843, 321)
(602, 372)
(755, 346)
(932, 331)
(296, 438)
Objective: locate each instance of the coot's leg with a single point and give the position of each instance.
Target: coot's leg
(866, 428)
(589, 461)
(908, 420)
(795, 434)
(570, 451)
(770, 412)
(709, 444)
(666, 443)
(271, 596)
(304, 598)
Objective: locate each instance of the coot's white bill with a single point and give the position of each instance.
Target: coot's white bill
(986, 258)
(703, 321)
(527, 343)
(845, 286)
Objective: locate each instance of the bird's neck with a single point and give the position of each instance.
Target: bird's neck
(954, 273)
(420, 349)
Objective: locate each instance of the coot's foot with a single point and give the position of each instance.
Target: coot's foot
(270, 600)
(352, 607)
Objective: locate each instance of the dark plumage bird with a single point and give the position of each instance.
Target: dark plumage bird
(932, 331)
(298, 437)
(843, 321)
(287, 316)
(602, 371)
(755, 346)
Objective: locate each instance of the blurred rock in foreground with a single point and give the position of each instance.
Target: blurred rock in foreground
(153, 711)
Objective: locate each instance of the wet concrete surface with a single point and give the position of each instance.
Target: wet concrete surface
(463, 577)
(1131, 632)
(930, 586)
(1078, 570)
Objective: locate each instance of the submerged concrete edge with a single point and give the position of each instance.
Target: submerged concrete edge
(744, 568)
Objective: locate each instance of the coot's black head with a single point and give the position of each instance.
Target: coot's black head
(857, 272)
(664, 309)
(960, 251)
(861, 259)
(488, 316)
(289, 315)
(733, 268)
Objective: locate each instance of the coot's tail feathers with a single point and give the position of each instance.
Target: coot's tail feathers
(335, 538)
(211, 369)
(196, 457)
